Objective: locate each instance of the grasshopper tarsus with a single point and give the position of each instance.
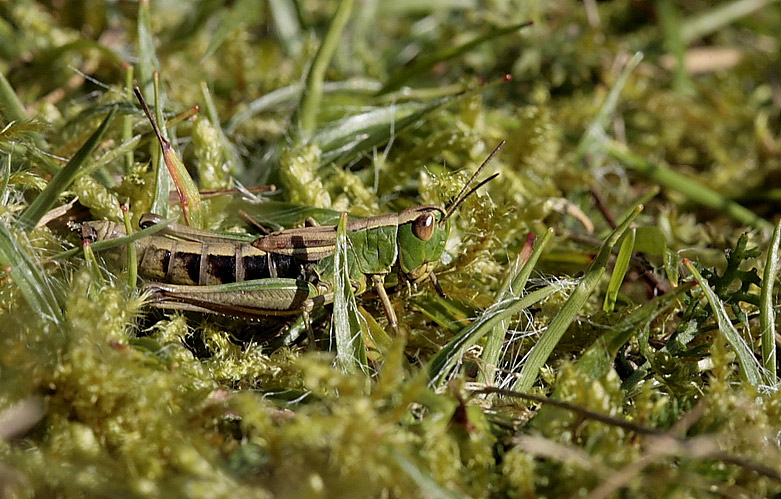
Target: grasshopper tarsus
(435, 282)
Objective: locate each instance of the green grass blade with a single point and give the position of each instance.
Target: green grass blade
(283, 13)
(13, 109)
(162, 172)
(344, 141)
(11, 106)
(673, 180)
(287, 95)
(28, 277)
(512, 286)
(767, 313)
(558, 326)
(313, 94)
(424, 63)
(62, 180)
(749, 367)
(346, 323)
(619, 271)
(132, 259)
(718, 17)
(147, 56)
(588, 142)
(440, 364)
(115, 243)
(670, 22)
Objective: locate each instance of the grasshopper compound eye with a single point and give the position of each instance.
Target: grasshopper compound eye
(423, 226)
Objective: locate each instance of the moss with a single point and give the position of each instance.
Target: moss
(145, 402)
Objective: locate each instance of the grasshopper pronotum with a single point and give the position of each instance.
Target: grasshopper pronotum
(290, 271)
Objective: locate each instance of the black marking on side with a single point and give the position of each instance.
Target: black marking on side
(192, 263)
(165, 260)
(223, 267)
(255, 267)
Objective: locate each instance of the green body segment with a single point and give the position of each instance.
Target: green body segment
(375, 249)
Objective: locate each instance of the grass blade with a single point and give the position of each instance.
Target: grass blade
(749, 367)
(44, 201)
(619, 271)
(588, 142)
(767, 313)
(673, 180)
(718, 17)
(117, 242)
(28, 277)
(558, 326)
(313, 94)
(286, 95)
(147, 57)
(512, 286)
(441, 363)
(346, 323)
(283, 13)
(405, 74)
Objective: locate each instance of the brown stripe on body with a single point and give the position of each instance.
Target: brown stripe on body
(311, 244)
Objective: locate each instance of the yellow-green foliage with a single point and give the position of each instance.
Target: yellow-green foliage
(102, 395)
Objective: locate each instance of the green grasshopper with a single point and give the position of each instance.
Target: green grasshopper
(290, 271)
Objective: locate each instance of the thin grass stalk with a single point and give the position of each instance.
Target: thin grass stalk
(313, 93)
(692, 190)
(749, 367)
(767, 312)
(513, 285)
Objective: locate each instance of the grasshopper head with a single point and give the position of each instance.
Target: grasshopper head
(101, 230)
(423, 232)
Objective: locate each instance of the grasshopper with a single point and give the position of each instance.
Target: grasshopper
(289, 271)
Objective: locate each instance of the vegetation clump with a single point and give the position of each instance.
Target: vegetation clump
(608, 321)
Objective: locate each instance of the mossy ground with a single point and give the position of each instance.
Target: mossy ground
(668, 389)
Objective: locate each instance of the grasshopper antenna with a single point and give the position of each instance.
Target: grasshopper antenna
(466, 191)
(151, 118)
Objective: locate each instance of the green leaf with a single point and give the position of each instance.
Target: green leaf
(650, 240)
(513, 285)
(313, 94)
(28, 277)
